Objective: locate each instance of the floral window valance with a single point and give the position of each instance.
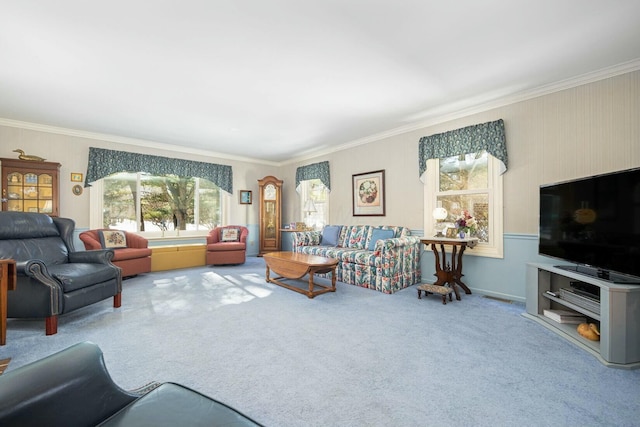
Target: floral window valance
(485, 136)
(103, 163)
(314, 171)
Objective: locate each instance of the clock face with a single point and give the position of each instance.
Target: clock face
(270, 192)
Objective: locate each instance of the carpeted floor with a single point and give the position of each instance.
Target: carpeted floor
(351, 358)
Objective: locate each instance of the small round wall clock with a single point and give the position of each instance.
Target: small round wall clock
(77, 190)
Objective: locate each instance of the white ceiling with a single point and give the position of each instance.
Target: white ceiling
(279, 79)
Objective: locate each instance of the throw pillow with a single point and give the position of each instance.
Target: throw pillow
(112, 239)
(229, 235)
(356, 236)
(379, 234)
(330, 235)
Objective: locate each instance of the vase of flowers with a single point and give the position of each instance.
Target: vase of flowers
(465, 225)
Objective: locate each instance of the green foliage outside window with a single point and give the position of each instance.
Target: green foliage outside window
(463, 186)
(165, 203)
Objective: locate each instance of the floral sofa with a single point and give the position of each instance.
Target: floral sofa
(383, 258)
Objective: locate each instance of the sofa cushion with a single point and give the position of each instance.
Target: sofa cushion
(307, 238)
(229, 235)
(342, 237)
(330, 235)
(112, 239)
(17, 225)
(379, 234)
(50, 250)
(76, 276)
(226, 246)
(356, 236)
(359, 257)
(348, 256)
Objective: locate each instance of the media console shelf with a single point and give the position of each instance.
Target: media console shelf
(619, 316)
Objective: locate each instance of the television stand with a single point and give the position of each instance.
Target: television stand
(617, 314)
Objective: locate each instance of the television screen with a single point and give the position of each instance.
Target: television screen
(595, 223)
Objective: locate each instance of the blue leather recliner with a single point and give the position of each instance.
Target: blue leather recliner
(52, 278)
(73, 388)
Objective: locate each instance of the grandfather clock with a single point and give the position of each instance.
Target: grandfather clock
(270, 213)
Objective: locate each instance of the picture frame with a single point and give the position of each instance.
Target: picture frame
(451, 233)
(76, 177)
(368, 194)
(246, 197)
(77, 190)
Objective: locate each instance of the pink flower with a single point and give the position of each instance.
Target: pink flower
(465, 222)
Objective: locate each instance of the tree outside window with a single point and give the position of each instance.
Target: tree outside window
(140, 202)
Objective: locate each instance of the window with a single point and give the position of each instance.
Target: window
(472, 183)
(317, 192)
(165, 205)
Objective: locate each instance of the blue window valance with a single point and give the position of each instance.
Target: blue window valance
(103, 163)
(314, 171)
(471, 139)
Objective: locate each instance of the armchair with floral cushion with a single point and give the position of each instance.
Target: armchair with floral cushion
(131, 252)
(227, 245)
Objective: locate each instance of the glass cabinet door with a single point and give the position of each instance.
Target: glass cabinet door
(29, 186)
(270, 219)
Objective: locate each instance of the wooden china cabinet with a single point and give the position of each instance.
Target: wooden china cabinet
(270, 196)
(30, 186)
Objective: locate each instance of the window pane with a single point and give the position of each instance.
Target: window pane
(315, 190)
(154, 203)
(167, 202)
(119, 198)
(477, 205)
(208, 205)
(464, 172)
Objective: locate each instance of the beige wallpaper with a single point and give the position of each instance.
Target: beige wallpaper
(590, 129)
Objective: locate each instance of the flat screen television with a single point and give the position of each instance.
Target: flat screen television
(594, 224)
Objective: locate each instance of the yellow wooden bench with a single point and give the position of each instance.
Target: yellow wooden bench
(178, 256)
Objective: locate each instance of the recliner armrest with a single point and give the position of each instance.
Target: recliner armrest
(173, 405)
(69, 387)
(98, 256)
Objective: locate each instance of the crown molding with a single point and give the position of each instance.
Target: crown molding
(128, 141)
(450, 113)
(453, 114)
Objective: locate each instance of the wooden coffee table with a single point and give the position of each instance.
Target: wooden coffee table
(291, 265)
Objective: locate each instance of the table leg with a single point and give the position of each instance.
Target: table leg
(4, 286)
(441, 274)
(3, 311)
(446, 274)
(458, 273)
(310, 294)
(267, 274)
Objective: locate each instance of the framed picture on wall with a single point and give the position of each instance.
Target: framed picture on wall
(368, 194)
(245, 197)
(76, 177)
